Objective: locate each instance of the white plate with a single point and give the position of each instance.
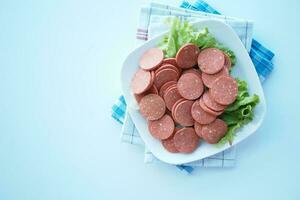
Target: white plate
(243, 69)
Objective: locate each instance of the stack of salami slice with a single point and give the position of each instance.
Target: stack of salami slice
(182, 97)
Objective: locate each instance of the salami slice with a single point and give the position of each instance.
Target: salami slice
(152, 90)
(227, 63)
(210, 103)
(169, 145)
(165, 86)
(194, 71)
(212, 133)
(198, 129)
(186, 140)
(165, 76)
(211, 60)
(152, 107)
(174, 106)
(141, 81)
(186, 56)
(171, 96)
(168, 66)
(208, 110)
(151, 59)
(172, 61)
(200, 116)
(190, 86)
(182, 113)
(208, 79)
(162, 128)
(224, 90)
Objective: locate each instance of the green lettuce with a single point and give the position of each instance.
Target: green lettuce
(182, 32)
(239, 113)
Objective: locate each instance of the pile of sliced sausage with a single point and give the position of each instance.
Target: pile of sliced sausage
(182, 97)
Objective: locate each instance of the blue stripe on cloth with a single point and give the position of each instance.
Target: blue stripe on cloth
(260, 55)
(187, 169)
(119, 109)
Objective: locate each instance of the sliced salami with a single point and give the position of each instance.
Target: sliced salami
(182, 113)
(187, 55)
(165, 76)
(199, 115)
(208, 110)
(151, 59)
(194, 71)
(227, 63)
(141, 81)
(198, 129)
(152, 107)
(171, 61)
(211, 60)
(212, 133)
(171, 96)
(169, 145)
(162, 128)
(175, 105)
(208, 79)
(165, 86)
(190, 86)
(224, 90)
(186, 140)
(212, 104)
(152, 90)
(168, 66)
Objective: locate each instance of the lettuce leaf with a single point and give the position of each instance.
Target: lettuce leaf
(239, 113)
(182, 32)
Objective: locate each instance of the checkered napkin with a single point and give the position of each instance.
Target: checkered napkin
(151, 23)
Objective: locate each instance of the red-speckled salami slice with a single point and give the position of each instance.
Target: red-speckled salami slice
(141, 81)
(186, 140)
(182, 113)
(213, 132)
(165, 86)
(200, 116)
(172, 61)
(224, 90)
(194, 71)
(198, 129)
(175, 105)
(152, 77)
(151, 59)
(190, 86)
(165, 76)
(212, 104)
(187, 55)
(152, 90)
(227, 63)
(208, 79)
(152, 107)
(171, 96)
(211, 60)
(169, 145)
(168, 66)
(208, 110)
(162, 128)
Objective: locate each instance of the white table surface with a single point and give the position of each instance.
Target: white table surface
(59, 75)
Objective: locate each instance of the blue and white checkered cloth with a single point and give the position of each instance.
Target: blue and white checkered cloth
(151, 23)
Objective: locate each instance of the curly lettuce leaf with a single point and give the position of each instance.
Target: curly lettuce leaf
(182, 32)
